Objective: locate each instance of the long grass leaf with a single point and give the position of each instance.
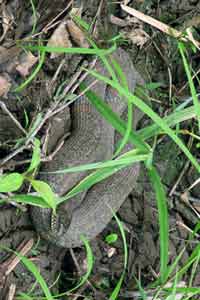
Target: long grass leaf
(92, 179)
(122, 77)
(148, 111)
(117, 288)
(124, 83)
(34, 73)
(114, 119)
(189, 262)
(34, 17)
(104, 59)
(124, 161)
(163, 221)
(76, 50)
(90, 263)
(34, 270)
(181, 48)
(171, 120)
(35, 161)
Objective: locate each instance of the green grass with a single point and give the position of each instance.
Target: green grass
(34, 17)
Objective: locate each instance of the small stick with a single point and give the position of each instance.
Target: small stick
(159, 25)
(179, 178)
(45, 29)
(11, 155)
(75, 261)
(9, 265)
(181, 224)
(58, 147)
(12, 262)
(55, 76)
(190, 198)
(88, 283)
(186, 84)
(74, 80)
(15, 204)
(72, 101)
(11, 293)
(92, 65)
(6, 110)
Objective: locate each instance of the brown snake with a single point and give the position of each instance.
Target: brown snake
(92, 140)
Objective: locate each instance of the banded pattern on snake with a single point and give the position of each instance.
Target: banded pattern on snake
(92, 140)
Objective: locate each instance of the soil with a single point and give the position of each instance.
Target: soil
(156, 59)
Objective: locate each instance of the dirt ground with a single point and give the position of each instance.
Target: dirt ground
(156, 58)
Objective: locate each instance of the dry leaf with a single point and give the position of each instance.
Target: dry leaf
(4, 85)
(118, 21)
(27, 61)
(111, 251)
(7, 20)
(59, 38)
(77, 11)
(137, 36)
(185, 197)
(77, 34)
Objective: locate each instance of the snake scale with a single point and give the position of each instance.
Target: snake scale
(92, 139)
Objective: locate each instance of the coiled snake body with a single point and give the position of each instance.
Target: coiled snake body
(92, 140)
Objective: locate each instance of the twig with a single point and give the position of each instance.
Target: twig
(75, 261)
(190, 198)
(58, 147)
(6, 199)
(186, 84)
(12, 262)
(9, 265)
(11, 155)
(179, 179)
(11, 293)
(74, 80)
(55, 76)
(46, 28)
(88, 283)
(184, 226)
(6, 110)
(159, 25)
(73, 100)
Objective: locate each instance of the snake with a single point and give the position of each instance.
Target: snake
(92, 139)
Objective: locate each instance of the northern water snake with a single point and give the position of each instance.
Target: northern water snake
(92, 140)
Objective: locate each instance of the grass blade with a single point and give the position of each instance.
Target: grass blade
(34, 17)
(35, 161)
(116, 290)
(99, 175)
(34, 270)
(124, 160)
(90, 262)
(148, 111)
(115, 120)
(171, 120)
(33, 75)
(124, 83)
(182, 50)
(70, 50)
(163, 221)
